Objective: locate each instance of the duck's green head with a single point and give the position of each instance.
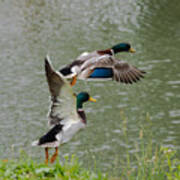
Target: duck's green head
(83, 97)
(123, 47)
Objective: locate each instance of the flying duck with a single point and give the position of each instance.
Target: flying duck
(103, 65)
(66, 114)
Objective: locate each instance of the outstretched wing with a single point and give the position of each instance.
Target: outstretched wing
(63, 101)
(122, 71)
(91, 64)
(126, 73)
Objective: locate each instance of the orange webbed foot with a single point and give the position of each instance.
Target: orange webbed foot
(73, 82)
(53, 158)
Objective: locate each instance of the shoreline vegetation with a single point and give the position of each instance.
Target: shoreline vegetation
(162, 164)
(149, 161)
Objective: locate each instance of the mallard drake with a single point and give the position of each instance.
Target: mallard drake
(103, 65)
(66, 115)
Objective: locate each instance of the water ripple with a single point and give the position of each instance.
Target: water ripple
(174, 113)
(173, 82)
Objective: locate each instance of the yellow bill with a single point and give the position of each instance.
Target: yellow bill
(132, 50)
(92, 99)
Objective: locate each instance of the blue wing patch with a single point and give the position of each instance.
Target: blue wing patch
(102, 73)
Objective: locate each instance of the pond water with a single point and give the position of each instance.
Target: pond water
(63, 29)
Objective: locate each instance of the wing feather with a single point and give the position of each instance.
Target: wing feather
(126, 72)
(63, 101)
(123, 71)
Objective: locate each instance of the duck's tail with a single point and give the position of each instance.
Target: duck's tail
(35, 143)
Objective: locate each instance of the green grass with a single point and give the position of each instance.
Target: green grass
(160, 165)
(27, 169)
(150, 161)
